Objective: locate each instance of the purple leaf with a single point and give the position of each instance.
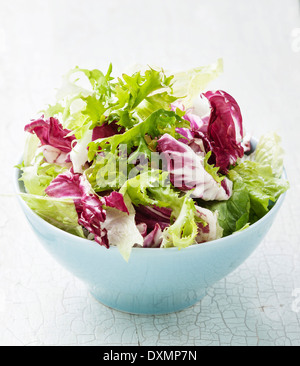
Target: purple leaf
(154, 238)
(150, 216)
(51, 132)
(116, 200)
(187, 171)
(89, 206)
(221, 131)
(225, 130)
(106, 130)
(212, 229)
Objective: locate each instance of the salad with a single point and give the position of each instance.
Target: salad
(149, 160)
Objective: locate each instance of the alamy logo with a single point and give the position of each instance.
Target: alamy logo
(296, 302)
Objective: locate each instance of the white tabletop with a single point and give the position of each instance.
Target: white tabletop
(259, 303)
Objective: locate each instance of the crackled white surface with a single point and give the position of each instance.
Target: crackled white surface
(41, 303)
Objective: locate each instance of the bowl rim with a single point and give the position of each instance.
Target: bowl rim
(138, 249)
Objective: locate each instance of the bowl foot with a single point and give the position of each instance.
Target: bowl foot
(136, 308)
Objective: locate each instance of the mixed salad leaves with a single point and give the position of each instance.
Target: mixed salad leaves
(150, 160)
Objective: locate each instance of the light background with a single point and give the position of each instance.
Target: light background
(259, 41)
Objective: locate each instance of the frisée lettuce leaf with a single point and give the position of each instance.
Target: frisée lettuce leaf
(183, 232)
(37, 177)
(155, 125)
(89, 98)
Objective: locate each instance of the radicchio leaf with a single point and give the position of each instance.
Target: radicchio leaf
(220, 131)
(106, 130)
(150, 216)
(212, 229)
(154, 239)
(50, 132)
(89, 206)
(225, 130)
(187, 171)
(116, 200)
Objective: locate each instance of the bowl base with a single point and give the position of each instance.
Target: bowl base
(134, 310)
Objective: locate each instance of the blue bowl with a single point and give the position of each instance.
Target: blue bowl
(154, 281)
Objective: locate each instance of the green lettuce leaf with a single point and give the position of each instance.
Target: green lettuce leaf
(37, 177)
(262, 186)
(152, 188)
(211, 169)
(188, 85)
(58, 212)
(256, 186)
(108, 172)
(155, 125)
(234, 214)
(32, 143)
(184, 231)
(132, 90)
(153, 103)
(83, 99)
(87, 98)
(270, 152)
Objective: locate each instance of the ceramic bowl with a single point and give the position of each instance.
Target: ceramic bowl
(154, 281)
